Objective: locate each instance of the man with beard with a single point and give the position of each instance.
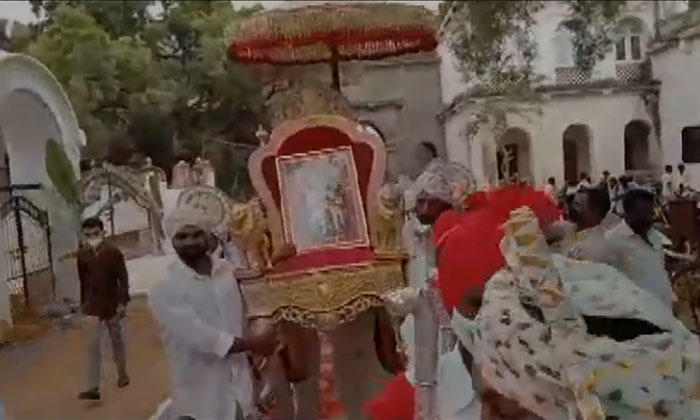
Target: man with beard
(201, 313)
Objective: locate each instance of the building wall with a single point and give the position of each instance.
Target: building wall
(604, 115)
(605, 112)
(679, 102)
(402, 97)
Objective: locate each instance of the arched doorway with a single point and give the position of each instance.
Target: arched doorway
(577, 151)
(636, 137)
(513, 154)
(33, 109)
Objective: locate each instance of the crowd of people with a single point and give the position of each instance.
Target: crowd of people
(672, 186)
(555, 304)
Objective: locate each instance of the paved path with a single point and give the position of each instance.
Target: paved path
(41, 380)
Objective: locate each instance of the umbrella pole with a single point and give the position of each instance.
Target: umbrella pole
(335, 69)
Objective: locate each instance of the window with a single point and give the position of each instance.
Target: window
(628, 40)
(690, 144)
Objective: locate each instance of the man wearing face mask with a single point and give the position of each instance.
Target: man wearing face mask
(104, 294)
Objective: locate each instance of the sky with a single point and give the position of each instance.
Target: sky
(21, 10)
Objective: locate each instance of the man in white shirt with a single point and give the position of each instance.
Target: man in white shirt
(551, 189)
(682, 184)
(201, 313)
(636, 249)
(667, 188)
(585, 181)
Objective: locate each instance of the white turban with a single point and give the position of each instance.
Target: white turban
(446, 181)
(184, 215)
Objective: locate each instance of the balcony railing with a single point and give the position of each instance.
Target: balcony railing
(631, 73)
(571, 76)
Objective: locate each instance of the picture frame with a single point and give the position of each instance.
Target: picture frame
(321, 204)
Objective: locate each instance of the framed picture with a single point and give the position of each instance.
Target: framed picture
(321, 202)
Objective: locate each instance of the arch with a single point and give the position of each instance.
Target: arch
(516, 141)
(25, 79)
(637, 147)
(33, 109)
(576, 140)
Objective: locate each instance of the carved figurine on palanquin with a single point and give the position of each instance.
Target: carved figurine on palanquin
(248, 228)
(387, 222)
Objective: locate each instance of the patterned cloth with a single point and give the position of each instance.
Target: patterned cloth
(446, 181)
(531, 338)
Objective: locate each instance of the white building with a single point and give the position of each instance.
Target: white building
(676, 63)
(604, 120)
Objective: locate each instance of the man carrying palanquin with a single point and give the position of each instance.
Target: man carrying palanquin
(200, 310)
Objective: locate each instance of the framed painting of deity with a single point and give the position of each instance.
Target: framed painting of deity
(321, 202)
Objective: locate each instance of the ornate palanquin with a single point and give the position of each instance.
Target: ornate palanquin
(322, 285)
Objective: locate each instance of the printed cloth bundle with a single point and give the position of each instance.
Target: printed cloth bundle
(570, 339)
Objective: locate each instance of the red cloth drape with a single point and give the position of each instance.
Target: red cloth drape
(468, 255)
(469, 242)
(397, 402)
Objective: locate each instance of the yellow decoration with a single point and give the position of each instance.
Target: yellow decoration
(534, 261)
(314, 295)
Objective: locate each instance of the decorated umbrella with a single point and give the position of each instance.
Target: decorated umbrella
(331, 33)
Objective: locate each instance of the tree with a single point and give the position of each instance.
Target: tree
(118, 18)
(494, 44)
(215, 98)
(493, 41)
(162, 78)
(102, 75)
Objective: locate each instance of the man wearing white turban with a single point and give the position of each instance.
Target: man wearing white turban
(200, 311)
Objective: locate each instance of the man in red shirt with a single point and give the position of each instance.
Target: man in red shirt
(104, 294)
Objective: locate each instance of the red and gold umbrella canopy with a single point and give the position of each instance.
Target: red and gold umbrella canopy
(333, 33)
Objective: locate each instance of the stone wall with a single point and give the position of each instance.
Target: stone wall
(402, 98)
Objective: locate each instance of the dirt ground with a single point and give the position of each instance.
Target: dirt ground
(41, 379)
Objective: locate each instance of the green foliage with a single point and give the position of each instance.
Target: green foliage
(61, 173)
(493, 41)
(164, 79)
(101, 75)
(117, 17)
(482, 31)
(591, 24)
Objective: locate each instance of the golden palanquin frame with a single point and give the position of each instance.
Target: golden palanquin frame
(326, 296)
(355, 131)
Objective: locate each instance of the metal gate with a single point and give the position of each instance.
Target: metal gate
(27, 242)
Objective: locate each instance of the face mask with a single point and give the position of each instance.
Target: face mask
(94, 242)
